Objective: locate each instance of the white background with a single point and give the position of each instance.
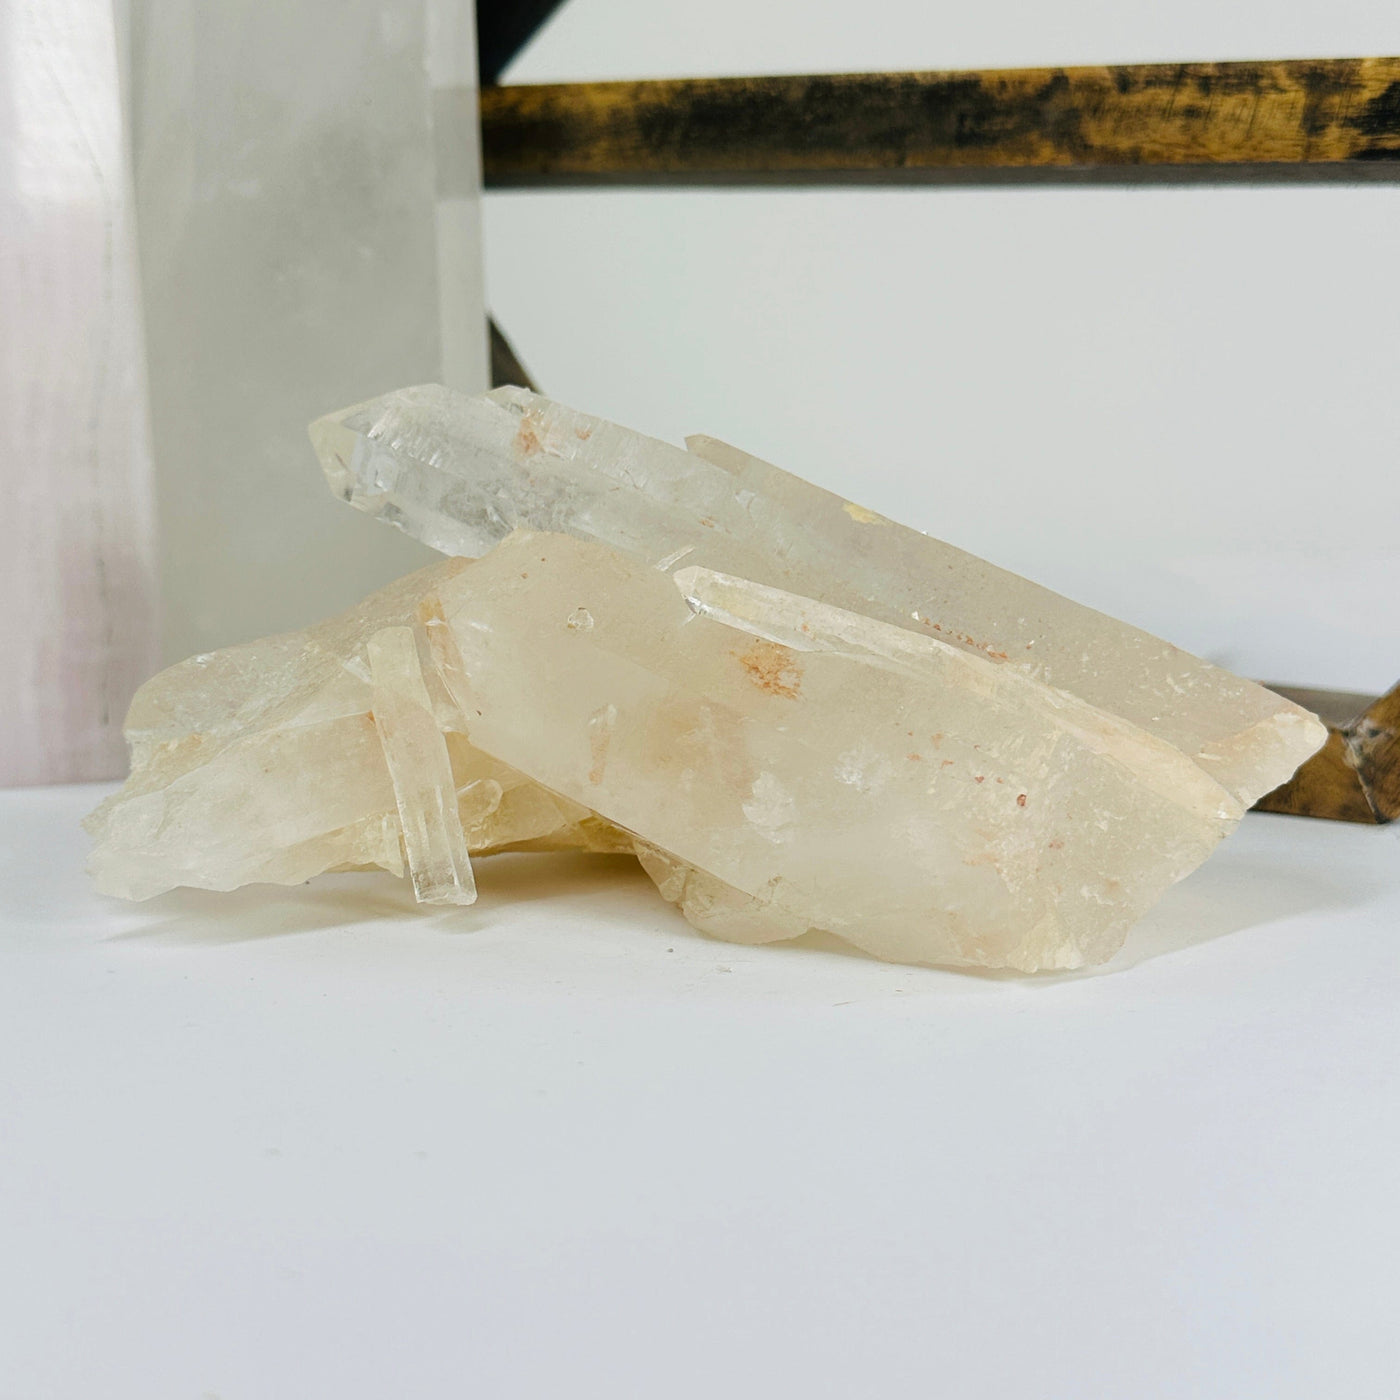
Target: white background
(1178, 405)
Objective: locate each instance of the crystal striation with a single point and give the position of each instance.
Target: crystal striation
(796, 714)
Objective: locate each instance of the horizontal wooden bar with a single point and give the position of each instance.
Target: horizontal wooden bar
(1305, 118)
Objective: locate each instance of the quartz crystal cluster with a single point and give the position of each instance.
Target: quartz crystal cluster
(798, 714)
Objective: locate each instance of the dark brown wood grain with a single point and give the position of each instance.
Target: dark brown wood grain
(1356, 776)
(1340, 115)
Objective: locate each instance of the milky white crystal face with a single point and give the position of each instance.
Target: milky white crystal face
(776, 763)
(923, 802)
(460, 473)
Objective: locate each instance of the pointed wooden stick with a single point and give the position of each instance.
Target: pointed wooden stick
(1356, 776)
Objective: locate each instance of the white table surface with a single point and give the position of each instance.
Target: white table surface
(312, 1142)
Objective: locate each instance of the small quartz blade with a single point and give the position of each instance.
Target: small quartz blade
(420, 769)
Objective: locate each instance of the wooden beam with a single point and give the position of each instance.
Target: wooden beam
(503, 28)
(1284, 120)
(1356, 775)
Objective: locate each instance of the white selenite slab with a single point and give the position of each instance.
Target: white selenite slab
(302, 247)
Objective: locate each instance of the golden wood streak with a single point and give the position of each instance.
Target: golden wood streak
(1306, 112)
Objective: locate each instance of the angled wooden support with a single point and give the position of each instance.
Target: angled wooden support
(1310, 118)
(505, 363)
(1355, 777)
(503, 28)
